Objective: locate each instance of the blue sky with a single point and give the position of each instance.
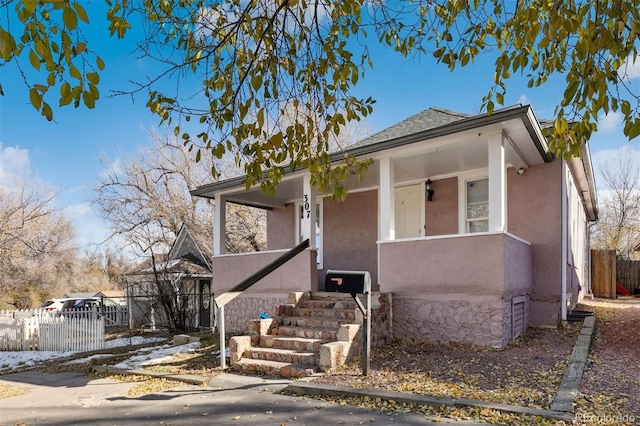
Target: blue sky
(66, 153)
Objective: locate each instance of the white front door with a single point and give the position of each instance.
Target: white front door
(409, 212)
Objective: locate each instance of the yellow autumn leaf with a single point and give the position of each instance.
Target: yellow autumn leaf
(69, 18)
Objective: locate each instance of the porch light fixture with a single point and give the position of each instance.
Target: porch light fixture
(429, 187)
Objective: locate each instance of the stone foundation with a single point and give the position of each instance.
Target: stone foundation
(482, 322)
(381, 324)
(477, 323)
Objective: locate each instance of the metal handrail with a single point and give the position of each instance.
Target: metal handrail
(243, 285)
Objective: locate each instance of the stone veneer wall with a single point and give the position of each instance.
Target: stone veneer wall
(453, 320)
(240, 311)
(381, 316)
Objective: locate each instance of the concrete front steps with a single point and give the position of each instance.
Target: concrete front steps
(314, 332)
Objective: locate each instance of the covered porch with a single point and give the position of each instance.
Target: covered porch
(430, 221)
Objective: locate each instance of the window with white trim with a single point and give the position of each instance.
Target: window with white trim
(477, 206)
(299, 209)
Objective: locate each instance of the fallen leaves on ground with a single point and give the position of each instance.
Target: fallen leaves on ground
(476, 414)
(610, 388)
(146, 385)
(525, 373)
(151, 386)
(7, 391)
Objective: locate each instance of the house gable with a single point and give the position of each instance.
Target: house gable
(185, 245)
(184, 257)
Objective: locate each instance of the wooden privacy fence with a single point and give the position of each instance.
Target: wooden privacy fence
(607, 271)
(628, 274)
(603, 273)
(45, 331)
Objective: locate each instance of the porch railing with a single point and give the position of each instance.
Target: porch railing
(245, 284)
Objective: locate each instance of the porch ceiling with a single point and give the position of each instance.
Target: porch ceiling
(410, 167)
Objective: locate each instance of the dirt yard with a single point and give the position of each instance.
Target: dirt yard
(611, 380)
(525, 373)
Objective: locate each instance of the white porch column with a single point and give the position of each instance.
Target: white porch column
(308, 222)
(386, 207)
(497, 183)
(220, 225)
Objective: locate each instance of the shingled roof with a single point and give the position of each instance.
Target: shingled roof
(438, 122)
(428, 119)
(185, 264)
(189, 254)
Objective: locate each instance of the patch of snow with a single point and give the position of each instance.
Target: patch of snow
(156, 355)
(12, 360)
(134, 340)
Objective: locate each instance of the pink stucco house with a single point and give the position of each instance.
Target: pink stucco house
(471, 225)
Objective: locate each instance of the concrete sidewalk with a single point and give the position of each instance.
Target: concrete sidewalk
(229, 399)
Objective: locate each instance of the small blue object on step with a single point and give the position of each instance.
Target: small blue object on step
(264, 315)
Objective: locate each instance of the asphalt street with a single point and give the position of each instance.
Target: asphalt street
(75, 399)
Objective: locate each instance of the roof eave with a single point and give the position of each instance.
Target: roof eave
(525, 113)
(205, 190)
(582, 170)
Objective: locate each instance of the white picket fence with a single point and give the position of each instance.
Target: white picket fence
(46, 331)
(113, 315)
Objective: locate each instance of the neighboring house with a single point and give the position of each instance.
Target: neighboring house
(173, 290)
(472, 225)
(116, 296)
(80, 295)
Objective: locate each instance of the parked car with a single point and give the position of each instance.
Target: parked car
(62, 304)
(93, 302)
(85, 307)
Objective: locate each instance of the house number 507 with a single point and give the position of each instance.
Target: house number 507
(307, 207)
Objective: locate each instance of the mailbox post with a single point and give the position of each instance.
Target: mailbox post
(354, 283)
